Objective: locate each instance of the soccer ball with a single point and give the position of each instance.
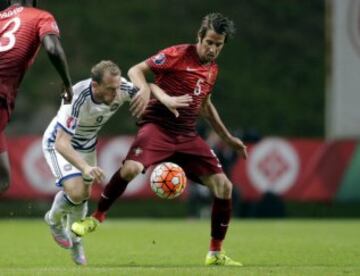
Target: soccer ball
(168, 180)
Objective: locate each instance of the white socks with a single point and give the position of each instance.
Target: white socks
(63, 206)
(60, 208)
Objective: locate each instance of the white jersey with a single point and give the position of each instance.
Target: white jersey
(84, 117)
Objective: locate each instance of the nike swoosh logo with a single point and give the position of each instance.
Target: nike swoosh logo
(104, 196)
(190, 69)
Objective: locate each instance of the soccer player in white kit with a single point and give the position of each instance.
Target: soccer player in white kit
(69, 145)
(69, 148)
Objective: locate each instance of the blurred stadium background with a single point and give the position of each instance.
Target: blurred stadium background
(288, 86)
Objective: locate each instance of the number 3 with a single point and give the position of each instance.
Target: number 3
(9, 34)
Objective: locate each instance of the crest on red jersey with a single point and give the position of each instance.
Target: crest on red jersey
(159, 59)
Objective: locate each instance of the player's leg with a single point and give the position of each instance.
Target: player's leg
(69, 206)
(221, 188)
(74, 204)
(151, 145)
(4, 171)
(4, 158)
(70, 179)
(113, 190)
(56, 219)
(78, 192)
(201, 164)
(144, 152)
(116, 187)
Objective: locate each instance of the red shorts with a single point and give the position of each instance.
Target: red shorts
(153, 145)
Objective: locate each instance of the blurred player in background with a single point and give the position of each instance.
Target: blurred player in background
(23, 29)
(69, 146)
(187, 69)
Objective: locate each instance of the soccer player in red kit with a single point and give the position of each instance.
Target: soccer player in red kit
(179, 70)
(23, 29)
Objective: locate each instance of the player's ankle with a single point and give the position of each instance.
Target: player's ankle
(215, 245)
(100, 216)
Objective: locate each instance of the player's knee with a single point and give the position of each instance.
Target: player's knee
(130, 171)
(223, 189)
(78, 196)
(228, 186)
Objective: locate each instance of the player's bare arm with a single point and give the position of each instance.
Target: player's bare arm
(171, 102)
(57, 57)
(137, 75)
(209, 112)
(64, 147)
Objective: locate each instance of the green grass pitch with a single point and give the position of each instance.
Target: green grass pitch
(178, 247)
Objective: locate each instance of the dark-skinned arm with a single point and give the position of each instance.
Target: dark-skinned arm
(56, 54)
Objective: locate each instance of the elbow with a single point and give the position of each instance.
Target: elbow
(132, 71)
(52, 46)
(53, 51)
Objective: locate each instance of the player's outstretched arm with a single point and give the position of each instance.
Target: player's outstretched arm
(64, 147)
(209, 112)
(57, 57)
(171, 102)
(137, 75)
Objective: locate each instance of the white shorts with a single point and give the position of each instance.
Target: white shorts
(62, 169)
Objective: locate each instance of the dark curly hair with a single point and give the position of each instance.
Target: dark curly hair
(218, 23)
(32, 3)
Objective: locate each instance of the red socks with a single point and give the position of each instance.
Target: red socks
(220, 218)
(115, 188)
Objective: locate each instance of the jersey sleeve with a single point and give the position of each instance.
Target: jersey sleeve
(128, 89)
(165, 60)
(47, 25)
(67, 118)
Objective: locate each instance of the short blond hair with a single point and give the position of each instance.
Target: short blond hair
(98, 70)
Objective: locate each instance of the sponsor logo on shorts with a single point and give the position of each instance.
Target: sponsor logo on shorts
(67, 167)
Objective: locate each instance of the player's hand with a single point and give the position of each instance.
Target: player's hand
(236, 144)
(174, 102)
(139, 102)
(67, 95)
(95, 173)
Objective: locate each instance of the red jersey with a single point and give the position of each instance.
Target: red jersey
(178, 71)
(21, 32)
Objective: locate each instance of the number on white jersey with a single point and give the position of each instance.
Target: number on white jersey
(9, 34)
